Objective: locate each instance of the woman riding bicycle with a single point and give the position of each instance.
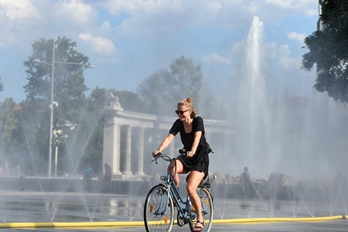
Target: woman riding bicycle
(196, 161)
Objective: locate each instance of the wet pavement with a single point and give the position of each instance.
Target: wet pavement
(23, 206)
(327, 226)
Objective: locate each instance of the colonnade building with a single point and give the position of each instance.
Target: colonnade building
(129, 139)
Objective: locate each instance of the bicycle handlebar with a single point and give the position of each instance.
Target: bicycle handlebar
(167, 158)
(161, 155)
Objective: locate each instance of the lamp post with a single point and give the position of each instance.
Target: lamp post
(51, 112)
(60, 136)
(52, 101)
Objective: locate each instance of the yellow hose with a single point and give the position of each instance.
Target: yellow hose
(141, 223)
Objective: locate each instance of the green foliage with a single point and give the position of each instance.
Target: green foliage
(328, 49)
(68, 66)
(97, 99)
(188, 77)
(92, 126)
(130, 101)
(156, 91)
(163, 89)
(69, 84)
(9, 122)
(1, 86)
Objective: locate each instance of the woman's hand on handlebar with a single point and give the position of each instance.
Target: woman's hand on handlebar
(155, 153)
(190, 153)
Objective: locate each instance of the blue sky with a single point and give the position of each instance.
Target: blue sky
(128, 40)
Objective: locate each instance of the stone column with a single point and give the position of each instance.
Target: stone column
(112, 135)
(111, 146)
(140, 162)
(127, 170)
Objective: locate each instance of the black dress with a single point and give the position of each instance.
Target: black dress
(200, 161)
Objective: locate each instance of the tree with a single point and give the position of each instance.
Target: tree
(188, 76)
(328, 49)
(69, 86)
(97, 99)
(69, 93)
(1, 86)
(94, 147)
(130, 101)
(163, 89)
(9, 122)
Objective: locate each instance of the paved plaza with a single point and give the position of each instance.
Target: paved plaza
(328, 226)
(24, 206)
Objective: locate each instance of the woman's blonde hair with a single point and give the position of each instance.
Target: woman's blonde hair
(189, 103)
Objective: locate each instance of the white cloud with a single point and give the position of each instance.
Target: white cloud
(273, 52)
(251, 7)
(13, 10)
(75, 11)
(312, 12)
(105, 28)
(270, 50)
(286, 61)
(211, 8)
(289, 3)
(16, 20)
(148, 18)
(145, 18)
(238, 46)
(296, 36)
(216, 58)
(134, 6)
(102, 46)
(23, 21)
(154, 18)
(175, 27)
(116, 6)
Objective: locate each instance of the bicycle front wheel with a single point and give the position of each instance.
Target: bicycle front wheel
(158, 210)
(207, 207)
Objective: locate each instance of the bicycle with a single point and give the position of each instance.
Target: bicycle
(164, 197)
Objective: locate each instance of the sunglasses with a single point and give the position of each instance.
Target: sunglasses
(180, 111)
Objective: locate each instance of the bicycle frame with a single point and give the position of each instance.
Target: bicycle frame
(176, 195)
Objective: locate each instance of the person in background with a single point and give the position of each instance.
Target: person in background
(87, 177)
(245, 182)
(108, 172)
(21, 182)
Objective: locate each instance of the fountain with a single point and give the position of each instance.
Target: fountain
(253, 114)
(282, 139)
(271, 138)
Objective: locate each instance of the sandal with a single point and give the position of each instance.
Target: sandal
(198, 228)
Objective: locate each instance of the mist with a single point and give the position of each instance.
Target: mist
(277, 126)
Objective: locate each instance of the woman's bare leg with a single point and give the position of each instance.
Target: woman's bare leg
(175, 171)
(192, 184)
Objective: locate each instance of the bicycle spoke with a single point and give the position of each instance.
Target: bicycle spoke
(207, 207)
(158, 210)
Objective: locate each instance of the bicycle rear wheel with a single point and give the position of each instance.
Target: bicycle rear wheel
(158, 210)
(207, 207)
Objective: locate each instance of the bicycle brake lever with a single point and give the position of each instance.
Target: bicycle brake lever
(159, 153)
